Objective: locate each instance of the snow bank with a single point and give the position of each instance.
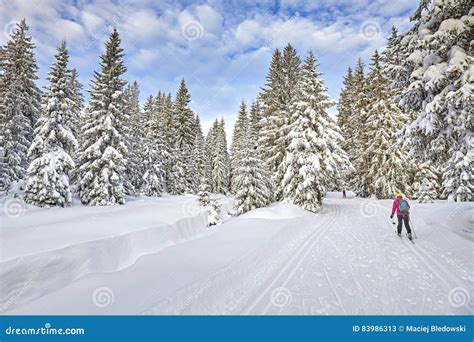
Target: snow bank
(45, 249)
(455, 216)
(279, 211)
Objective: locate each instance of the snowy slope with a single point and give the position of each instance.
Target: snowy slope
(282, 260)
(45, 249)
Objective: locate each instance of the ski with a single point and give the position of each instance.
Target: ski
(413, 242)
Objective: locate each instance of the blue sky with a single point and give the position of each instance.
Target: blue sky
(221, 48)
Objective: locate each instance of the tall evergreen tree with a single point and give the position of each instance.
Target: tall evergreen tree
(153, 146)
(359, 134)
(439, 86)
(19, 104)
(426, 173)
(274, 115)
(345, 108)
(238, 135)
(387, 171)
(75, 88)
(103, 152)
(200, 151)
(134, 138)
(314, 156)
(255, 121)
(185, 129)
(54, 140)
(219, 158)
(251, 178)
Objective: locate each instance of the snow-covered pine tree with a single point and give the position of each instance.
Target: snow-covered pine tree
(345, 108)
(273, 115)
(387, 171)
(458, 177)
(20, 105)
(314, 157)
(200, 151)
(103, 152)
(204, 199)
(210, 147)
(426, 193)
(439, 63)
(357, 138)
(185, 129)
(77, 98)
(255, 121)
(151, 156)
(54, 141)
(291, 66)
(238, 135)
(177, 184)
(219, 158)
(204, 196)
(135, 137)
(426, 173)
(251, 178)
(166, 112)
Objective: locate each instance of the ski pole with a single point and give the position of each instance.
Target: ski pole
(412, 227)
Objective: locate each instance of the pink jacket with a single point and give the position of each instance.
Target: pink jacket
(395, 206)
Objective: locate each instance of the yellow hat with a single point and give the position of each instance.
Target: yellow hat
(399, 194)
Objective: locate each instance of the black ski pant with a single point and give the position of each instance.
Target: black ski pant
(401, 220)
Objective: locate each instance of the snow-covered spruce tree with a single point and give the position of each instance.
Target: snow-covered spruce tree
(185, 129)
(273, 105)
(238, 135)
(151, 156)
(200, 151)
(166, 113)
(426, 173)
(345, 108)
(277, 97)
(103, 152)
(314, 156)
(54, 141)
(251, 178)
(204, 199)
(439, 64)
(387, 171)
(357, 137)
(458, 178)
(77, 98)
(219, 158)
(20, 105)
(426, 193)
(255, 121)
(135, 169)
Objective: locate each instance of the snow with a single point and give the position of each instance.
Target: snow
(76, 241)
(156, 256)
(279, 211)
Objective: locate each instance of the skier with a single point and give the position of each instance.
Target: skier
(402, 208)
(344, 193)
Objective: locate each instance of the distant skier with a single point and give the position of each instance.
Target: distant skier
(402, 208)
(344, 193)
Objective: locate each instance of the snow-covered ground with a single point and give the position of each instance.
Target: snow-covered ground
(156, 256)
